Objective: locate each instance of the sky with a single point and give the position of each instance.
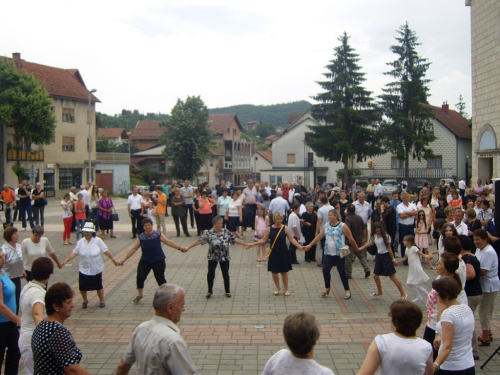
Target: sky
(147, 54)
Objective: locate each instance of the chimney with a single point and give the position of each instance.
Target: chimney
(445, 108)
(16, 56)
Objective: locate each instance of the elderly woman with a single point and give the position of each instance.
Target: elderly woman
(39, 202)
(490, 284)
(152, 258)
(36, 247)
(91, 265)
(32, 307)
(455, 329)
(14, 266)
(105, 210)
(301, 333)
(179, 212)
(54, 350)
(9, 321)
(67, 207)
(218, 239)
(279, 260)
(335, 232)
(400, 352)
(205, 211)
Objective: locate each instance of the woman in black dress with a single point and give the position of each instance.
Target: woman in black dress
(279, 261)
(309, 231)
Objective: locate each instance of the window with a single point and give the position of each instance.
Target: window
(310, 159)
(290, 158)
(68, 115)
(68, 144)
(69, 177)
(435, 162)
(396, 163)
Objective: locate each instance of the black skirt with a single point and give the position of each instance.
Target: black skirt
(88, 282)
(105, 224)
(205, 222)
(234, 223)
(384, 265)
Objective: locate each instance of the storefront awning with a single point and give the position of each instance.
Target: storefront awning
(70, 165)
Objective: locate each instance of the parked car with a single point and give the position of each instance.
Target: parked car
(416, 186)
(391, 186)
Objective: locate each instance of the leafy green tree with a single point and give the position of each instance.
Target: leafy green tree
(105, 145)
(460, 106)
(189, 139)
(408, 129)
(25, 105)
(265, 130)
(346, 112)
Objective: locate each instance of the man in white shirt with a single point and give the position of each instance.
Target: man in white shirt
(322, 220)
(407, 212)
(461, 187)
(278, 204)
(250, 193)
(291, 193)
(157, 345)
(460, 226)
(294, 226)
(187, 194)
(379, 190)
(85, 194)
(363, 208)
(135, 211)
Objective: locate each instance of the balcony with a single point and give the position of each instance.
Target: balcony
(431, 173)
(13, 155)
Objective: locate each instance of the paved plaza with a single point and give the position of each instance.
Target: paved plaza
(221, 331)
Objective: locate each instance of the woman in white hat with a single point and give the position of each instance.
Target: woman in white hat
(91, 265)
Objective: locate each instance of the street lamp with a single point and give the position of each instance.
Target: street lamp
(89, 142)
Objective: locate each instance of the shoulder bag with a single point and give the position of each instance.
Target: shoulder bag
(114, 215)
(270, 249)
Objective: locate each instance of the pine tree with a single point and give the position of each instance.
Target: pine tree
(346, 112)
(460, 106)
(408, 129)
(189, 139)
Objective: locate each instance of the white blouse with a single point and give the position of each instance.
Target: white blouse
(90, 255)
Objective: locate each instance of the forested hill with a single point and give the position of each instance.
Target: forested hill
(276, 114)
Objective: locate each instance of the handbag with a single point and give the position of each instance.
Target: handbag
(372, 249)
(114, 215)
(270, 249)
(344, 251)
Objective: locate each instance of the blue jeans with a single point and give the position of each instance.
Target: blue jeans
(80, 223)
(22, 213)
(334, 260)
(95, 218)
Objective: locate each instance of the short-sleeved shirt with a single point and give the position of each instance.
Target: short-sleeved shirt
(335, 238)
(158, 348)
(8, 196)
(250, 195)
(152, 251)
(323, 214)
(67, 209)
(363, 210)
(356, 225)
(280, 205)
(473, 286)
(233, 208)
(187, 191)
(14, 266)
(32, 293)
(134, 202)
(32, 251)
(90, 255)
(489, 262)
(462, 319)
(284, 363)
(161, 208)
(223, 204)
(53, 348)
(402, 208)
(9, 294)
(26, 201)
(218, 249)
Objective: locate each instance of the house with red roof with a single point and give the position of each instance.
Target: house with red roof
(63, 163)
(115, 135)
(230, 161)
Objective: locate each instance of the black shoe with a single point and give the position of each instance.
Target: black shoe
(178, 235)
(367, 274)
(192, 226)
(188, 235)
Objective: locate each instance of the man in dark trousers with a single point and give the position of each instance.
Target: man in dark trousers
(358, 229)
(389, 220)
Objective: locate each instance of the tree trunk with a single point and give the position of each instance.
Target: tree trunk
(407, 162)
(346, 171)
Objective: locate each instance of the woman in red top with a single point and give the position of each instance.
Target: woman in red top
(80, 216)
(456, 201)
(205, 211)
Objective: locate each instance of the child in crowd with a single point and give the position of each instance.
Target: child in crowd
(261, 223)
(151, 212)
(416, 274)
(422, 235)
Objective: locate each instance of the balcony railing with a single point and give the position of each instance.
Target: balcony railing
(414, 173)
(13, 155)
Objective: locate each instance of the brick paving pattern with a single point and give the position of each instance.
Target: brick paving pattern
(220, 331)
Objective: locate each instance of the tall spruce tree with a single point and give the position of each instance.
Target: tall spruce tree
(460, 106)
(408, 127)
(346, 113)
(189, 139)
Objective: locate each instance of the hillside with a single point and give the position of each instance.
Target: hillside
(276, 114)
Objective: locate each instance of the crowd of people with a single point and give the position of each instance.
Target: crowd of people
(348, 223)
